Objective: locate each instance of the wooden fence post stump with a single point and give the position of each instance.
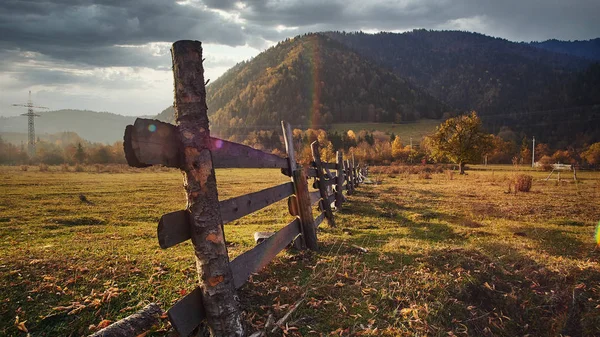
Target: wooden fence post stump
(219, 299)
(347, 176)
(339, 195)
(322, 184)
(302, 200)
(293, 204)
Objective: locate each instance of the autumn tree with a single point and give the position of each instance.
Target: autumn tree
(79, 154)
(461, 140)
(397, 148)
(592, 154)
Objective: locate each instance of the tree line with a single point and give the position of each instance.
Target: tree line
(58, 153)
(461, 140)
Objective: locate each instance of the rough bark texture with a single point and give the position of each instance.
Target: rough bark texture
(218, 293)
(132, 325)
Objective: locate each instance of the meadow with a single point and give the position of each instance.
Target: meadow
(415, 130)
(446, 255)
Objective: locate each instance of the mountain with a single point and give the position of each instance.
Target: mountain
(530, 88)
(469, 71)
(589, 49)
(312, 80)
(102, 127)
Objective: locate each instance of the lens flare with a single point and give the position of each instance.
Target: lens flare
(218, 143)
(151, 127)
(598, 234)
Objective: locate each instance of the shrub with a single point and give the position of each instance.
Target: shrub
(43, 167)
(64, 167)
(24, 168)
(79, 168)
(546, 163)
(523, 182)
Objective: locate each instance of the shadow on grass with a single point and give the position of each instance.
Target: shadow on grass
(514, 295)
(555, 242)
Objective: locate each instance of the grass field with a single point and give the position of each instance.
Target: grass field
(416, 130)
(450, 255)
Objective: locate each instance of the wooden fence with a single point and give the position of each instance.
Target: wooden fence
(329, 179)
(151, 142)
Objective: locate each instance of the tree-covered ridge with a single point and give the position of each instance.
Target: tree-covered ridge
(313, 80)
(589, 49)
(469, 70)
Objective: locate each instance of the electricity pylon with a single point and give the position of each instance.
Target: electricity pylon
(30, 123)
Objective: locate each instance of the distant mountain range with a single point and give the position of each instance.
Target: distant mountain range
(102, 127)
(550, 89)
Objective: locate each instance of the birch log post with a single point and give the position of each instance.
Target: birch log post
(219, 299)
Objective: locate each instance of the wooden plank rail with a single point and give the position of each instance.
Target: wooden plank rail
(256, 258)
(174, 228)
(228, 154)
(188, 312)
(235, 208)
(152, 142)
(315, 196)
(319, 219)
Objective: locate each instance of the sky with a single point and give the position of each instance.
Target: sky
(114, 55)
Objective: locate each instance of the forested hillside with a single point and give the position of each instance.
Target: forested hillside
(518, 86)
(589, 49)
(314, 81)
(94, 126)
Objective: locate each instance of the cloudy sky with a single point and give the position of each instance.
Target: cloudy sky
(113, 55)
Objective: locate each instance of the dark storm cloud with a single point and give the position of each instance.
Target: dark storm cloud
(86, 32)
(46, 42)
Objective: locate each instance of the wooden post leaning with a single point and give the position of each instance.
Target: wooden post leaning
(347, 176)
(339, 195)
(223, 313)
(302, 199)
(351, 174)
(354, 172)
(326, 206)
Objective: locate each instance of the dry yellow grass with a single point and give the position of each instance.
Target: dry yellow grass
(450, 254)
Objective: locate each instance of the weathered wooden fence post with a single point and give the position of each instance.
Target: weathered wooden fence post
(339, 195)
(326, 206)
(302, 199)
(222, 309)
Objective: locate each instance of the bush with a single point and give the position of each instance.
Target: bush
(64, 167)
(523, 182)
(546, 163)
(79, 168)
(24, 168)
(43, 167)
